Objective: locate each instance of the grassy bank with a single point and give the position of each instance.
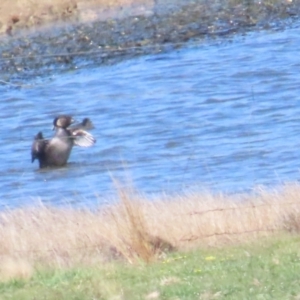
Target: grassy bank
(15, 15)
(35, 13)
(267, 269)
(196, 246)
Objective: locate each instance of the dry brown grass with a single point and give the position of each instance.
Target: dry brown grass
(139, 229)
(22, 14)
(14, 268)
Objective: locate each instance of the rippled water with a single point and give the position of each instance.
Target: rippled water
(222, 115)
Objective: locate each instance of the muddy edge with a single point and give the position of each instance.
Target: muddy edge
(51, 35)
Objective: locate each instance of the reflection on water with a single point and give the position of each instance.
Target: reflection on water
(222, 116)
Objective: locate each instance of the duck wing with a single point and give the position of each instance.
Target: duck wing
(82, 138)
(38, 146)
(86, 124)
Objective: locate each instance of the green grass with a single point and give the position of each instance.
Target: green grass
(266, 269)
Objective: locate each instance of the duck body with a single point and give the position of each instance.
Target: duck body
(56, 151)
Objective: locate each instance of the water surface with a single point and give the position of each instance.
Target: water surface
(223, 115)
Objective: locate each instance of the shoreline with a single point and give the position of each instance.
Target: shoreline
(121, 32)
(35, 14)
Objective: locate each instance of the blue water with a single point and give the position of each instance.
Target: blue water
(221, 115)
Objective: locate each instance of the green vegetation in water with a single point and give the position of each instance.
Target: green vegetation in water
(267, 269)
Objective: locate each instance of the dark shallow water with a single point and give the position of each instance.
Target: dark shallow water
(222, 115)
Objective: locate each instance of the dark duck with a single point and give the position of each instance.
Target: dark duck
(55, 152)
